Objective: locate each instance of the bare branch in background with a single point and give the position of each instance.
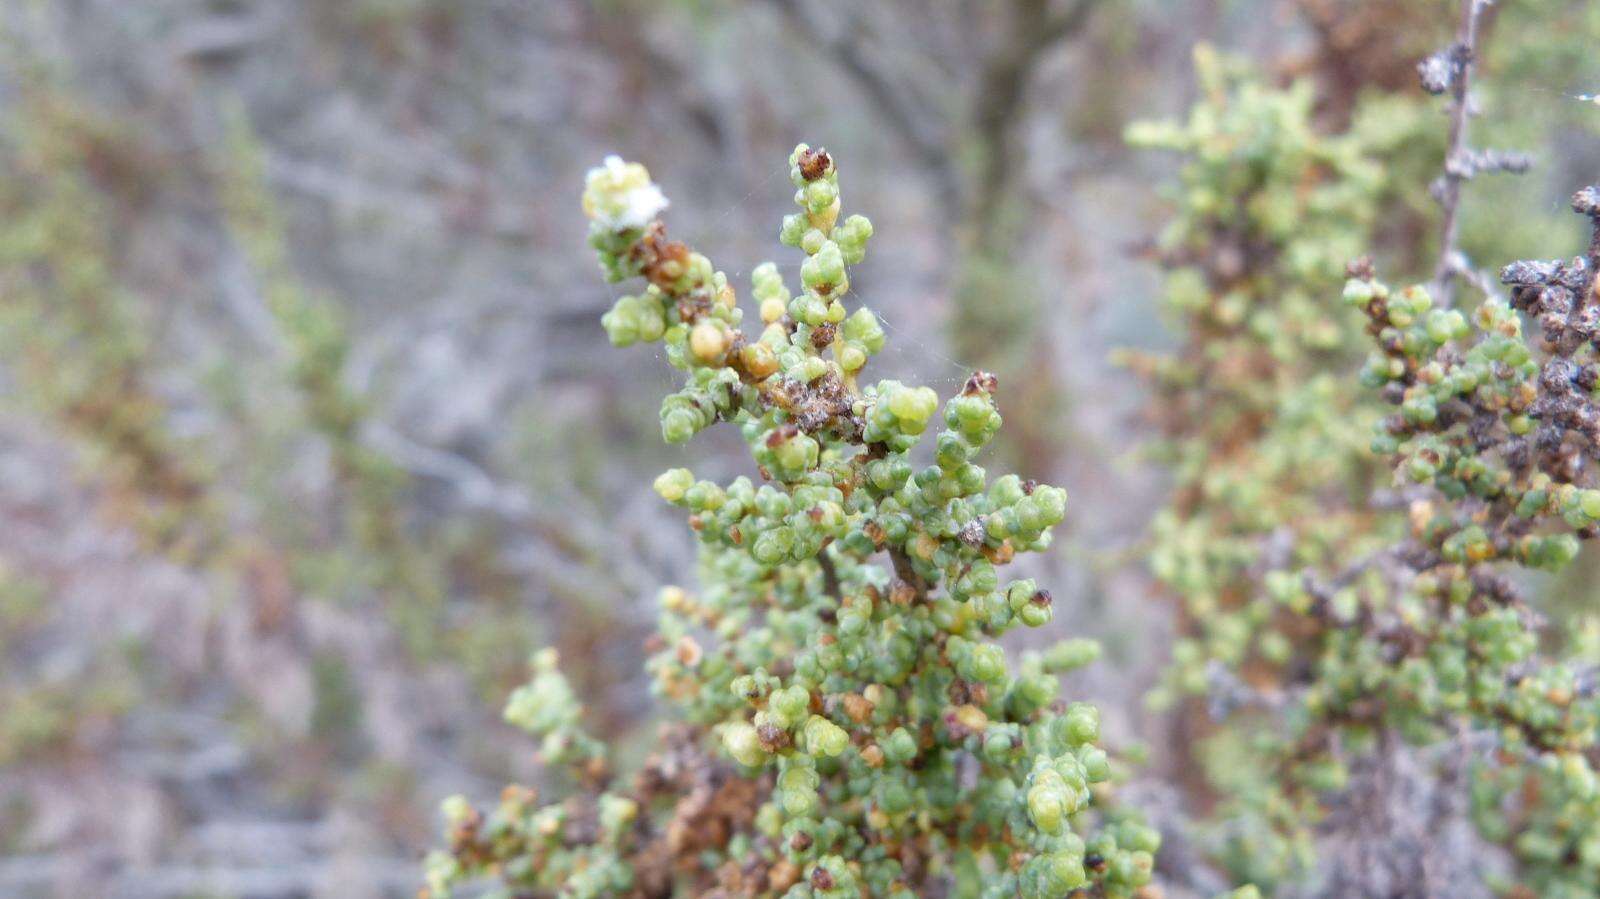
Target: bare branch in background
(891, 97)
(1034, 29)
(1450, 71)
(1067, 22)
(990, 116)
(629, 36)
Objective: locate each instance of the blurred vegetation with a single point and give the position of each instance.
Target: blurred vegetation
(308, 435)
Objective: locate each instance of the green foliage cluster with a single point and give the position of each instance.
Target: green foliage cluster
(84, 341)
(1266, 443)
(74, 328)
(1335, 594)
(371, 488)
(80, 354)
(85, 352)
(872, 736)
(1261, 437)
(1501, 428)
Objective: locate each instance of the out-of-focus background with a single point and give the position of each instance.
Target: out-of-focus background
(309, 432)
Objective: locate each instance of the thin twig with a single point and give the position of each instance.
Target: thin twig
(830, 575)
(1462, 56)
(905, 571)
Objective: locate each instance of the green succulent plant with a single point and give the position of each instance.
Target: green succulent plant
(837, 673)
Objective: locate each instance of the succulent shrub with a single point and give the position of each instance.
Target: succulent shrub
(1498, 431)
(1259, 434)
(1264, 438)
(845, 722)
(1338, 597)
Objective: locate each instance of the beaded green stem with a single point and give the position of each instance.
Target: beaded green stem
(839, 665)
